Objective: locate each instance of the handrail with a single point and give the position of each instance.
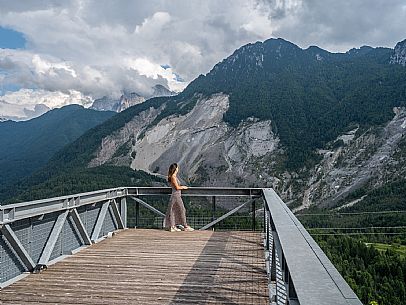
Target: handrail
(85, 194)
(301, 270)
(197, 191)
(16, 211)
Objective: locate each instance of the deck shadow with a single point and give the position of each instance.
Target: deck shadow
(194, 285)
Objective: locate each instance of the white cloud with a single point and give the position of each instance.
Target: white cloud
(26, 104)
(151, 25)
(259, 23)
(45, 67)
(102, 47)
(98, 48)
(56, 99)
(155, 71)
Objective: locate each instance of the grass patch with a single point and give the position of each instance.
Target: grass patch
(399, 249)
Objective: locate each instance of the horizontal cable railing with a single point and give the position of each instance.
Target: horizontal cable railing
(224, 212)
(37, 233)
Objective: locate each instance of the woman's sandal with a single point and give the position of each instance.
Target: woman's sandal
(174, 229)
(190, 229)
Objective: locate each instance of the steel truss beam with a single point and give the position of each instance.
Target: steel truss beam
(99, 222)
(81, 228)
(123, 210)
(116, 213)
(148, 206)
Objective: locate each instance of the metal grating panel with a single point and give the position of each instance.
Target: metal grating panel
(72, 239)
(41, 229)
(10, 265)
(57, 251)
(91, 217)
(108, 224)
(68, 240)
(23, 231)
(82, 211)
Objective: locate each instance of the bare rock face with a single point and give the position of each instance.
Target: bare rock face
(104, 104)
(212, 153)
(129, 99)
(125, 136)
(182, 139)
(399, 54)
(365, 160)
(110, 104)
(159, 90)
(208, 150)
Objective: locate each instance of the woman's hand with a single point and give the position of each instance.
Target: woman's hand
(184, 187)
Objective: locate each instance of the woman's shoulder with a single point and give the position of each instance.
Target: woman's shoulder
(173, 180)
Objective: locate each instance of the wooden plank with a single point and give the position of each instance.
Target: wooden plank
(153, 267)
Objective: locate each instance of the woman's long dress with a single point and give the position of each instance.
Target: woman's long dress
(176, 212)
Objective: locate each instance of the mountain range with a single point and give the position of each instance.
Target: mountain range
(18, 110)
(27, 146)
(128, 99)
(13, 112)
(324, 129)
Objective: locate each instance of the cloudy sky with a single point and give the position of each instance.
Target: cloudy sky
(58, 52)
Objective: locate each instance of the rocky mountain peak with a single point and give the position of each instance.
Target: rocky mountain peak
(128, 99)
(104, 104)
(160, 90)
(354, 52)
(399, 54)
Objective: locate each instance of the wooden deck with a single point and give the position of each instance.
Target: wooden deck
(139, 266)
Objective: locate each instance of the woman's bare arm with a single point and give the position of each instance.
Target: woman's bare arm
(176, 185)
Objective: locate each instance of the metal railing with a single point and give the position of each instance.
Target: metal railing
(298, 270)
(37, 233)
(207, 208)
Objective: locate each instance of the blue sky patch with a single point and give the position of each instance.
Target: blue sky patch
(9, 88)
(10, 39)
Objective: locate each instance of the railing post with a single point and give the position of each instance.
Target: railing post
(273, 263)
(253, 215)
(137, 214)
(266, 227)
(123, 211)
(213, 211)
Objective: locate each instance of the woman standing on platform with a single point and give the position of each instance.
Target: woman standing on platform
(176, 212)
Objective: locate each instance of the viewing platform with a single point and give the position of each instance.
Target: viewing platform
(95, 248)
(141, 266)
